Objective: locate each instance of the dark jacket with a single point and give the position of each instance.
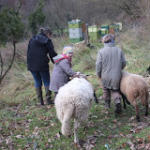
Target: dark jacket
(39, 48)
(110, 62)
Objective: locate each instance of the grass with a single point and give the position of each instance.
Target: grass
(24, 124)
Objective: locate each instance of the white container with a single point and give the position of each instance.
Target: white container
(75, 33)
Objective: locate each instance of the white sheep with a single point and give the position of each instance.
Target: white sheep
(134, 87)
(73, 101)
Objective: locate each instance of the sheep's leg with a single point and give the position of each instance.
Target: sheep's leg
(124, 102)
(95, 98)
(133, 102)
(146, 104)
(76, 125)
(66, 120)
(146, 112)
(137, 113)
(106, 97)
(144, 100)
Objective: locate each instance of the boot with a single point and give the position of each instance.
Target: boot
(48, 96)
(39, 95)
(107, 103)
(118, 109)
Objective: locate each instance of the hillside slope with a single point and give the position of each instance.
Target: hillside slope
(24, 124)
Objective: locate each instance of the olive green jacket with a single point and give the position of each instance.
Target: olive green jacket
(110, 61)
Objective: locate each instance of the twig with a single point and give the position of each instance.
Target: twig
(2, 64)
(11, 63)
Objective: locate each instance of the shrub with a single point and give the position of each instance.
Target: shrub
(36, 18)
(11, 26)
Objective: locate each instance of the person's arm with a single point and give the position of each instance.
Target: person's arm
(99, 65)
(65, 65)
(123, 60)
(51, 50)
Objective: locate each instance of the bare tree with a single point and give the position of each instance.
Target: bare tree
(11, 32)
(3, 72)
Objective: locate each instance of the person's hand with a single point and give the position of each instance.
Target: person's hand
(77, 75)
(80, 75)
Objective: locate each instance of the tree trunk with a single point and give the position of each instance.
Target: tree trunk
(3, 74)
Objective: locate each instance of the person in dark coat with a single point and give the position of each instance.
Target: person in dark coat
(109, 64)
(40, 51)
(62, 70)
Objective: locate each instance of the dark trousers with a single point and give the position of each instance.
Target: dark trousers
(41, 77)
(114, 94)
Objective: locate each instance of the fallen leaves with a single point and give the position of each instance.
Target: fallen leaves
(138, 143)
(137, 128)
(90, 142)
(35, 131)
(132, 147)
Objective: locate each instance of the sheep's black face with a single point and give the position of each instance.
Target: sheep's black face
(118, 108)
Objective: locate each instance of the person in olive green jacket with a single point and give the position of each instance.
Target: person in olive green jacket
(109, 64)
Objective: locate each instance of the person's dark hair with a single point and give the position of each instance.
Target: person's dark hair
(45, 31)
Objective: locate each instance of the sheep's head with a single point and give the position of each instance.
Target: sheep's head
(118, 108)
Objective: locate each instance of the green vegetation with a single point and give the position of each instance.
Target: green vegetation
(11, 26)
(37, 18)
(24, 124)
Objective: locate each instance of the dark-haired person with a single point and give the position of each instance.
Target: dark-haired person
(40, 51)
(109, 64)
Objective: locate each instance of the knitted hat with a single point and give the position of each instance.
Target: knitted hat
(108, 38)
(67, 49)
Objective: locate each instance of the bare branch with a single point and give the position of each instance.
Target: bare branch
(1, 64)
(11, 63)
